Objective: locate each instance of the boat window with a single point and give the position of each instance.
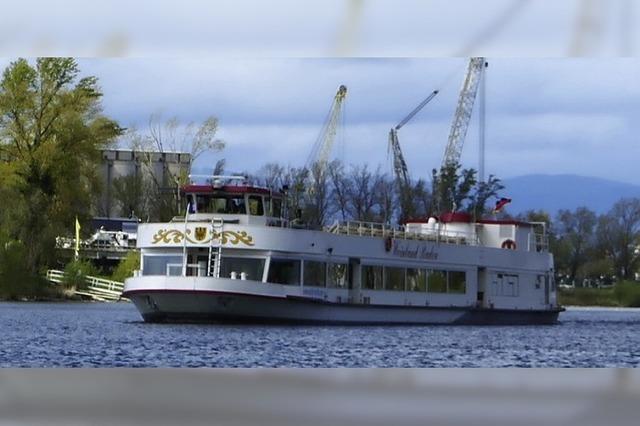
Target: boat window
(457, 282)
(267, 206)
(394, 278)
(255, 205)
(416, 280)
(314, 273)
(242, 268)
(276, 207)
(162, 265)
(437, 281)
(338, 275)
(221, 204)
(371, 277)
(284, 271)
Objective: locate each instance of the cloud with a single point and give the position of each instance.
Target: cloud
(543, 115)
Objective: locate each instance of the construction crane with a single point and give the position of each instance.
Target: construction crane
(463, 112)
(319, 156)
(399, 164)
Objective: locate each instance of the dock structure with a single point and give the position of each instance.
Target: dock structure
(110, 252)
(98, 289)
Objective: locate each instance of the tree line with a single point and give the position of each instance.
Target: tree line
(53, 130)
(591, 249)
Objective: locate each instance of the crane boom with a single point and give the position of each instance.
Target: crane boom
(400, 165)
(416, 110)
(319, 156)
(463, 112)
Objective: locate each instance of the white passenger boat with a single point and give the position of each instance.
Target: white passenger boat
(233, 257)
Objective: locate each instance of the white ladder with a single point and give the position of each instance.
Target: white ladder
(215, 250)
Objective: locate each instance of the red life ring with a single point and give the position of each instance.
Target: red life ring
(509, 244)
(388, 244)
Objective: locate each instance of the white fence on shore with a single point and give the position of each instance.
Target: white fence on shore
(97, 288)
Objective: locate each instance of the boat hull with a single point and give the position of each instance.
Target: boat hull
(211, 306)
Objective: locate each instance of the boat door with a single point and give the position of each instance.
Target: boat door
(546, 289)
(354, 280)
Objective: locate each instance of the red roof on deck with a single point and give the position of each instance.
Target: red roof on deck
(229, 189)
(503, 222)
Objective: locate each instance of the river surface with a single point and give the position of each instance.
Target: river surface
(113, 335)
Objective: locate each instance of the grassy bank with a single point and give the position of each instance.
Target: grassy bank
(624, 294)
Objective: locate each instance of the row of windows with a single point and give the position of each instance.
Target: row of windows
(318, 274)
(336, 275)
(256, 205)
(412, 279)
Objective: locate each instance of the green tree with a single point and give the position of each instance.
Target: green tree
(451, 186)
(618, 234)
(51, 133)
(130, 193)
(126, 267)
(577, 232)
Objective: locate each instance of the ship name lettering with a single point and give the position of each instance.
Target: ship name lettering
(417, 252)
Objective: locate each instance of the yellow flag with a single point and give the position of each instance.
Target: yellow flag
(77, 237)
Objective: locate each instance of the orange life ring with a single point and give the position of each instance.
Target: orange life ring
(388, 244)
(509, 244)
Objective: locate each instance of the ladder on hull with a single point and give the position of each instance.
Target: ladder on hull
(215, 248)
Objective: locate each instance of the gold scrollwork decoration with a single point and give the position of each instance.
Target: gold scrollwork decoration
(168, 236)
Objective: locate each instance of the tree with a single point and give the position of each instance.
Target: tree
(421, 198)
(484, 191)
(362, 193)
(451, 187)
(576, 231)
(294, 180)
(52, 131)
(317, 200)
(618, 234)
(169, 136)
(130, 192)
(341, 188)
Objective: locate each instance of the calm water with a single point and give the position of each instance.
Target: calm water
(113, 335)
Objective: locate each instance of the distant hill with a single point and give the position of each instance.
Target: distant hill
(554, 192)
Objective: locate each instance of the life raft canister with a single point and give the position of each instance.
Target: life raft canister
(509, 244)
(388, 244)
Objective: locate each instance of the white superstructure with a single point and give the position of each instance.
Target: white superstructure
(233, 257)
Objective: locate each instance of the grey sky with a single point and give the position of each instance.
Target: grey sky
(543, 115)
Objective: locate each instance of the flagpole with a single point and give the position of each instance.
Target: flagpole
(77, 251)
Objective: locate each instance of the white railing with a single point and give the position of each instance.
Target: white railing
(374, 229)
(97, 288)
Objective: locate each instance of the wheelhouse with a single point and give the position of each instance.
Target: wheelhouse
(233, 200)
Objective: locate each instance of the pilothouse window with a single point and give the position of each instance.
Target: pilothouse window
(255, 205)
(276, 207)
(227, 204)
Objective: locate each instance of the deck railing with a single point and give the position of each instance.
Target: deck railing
(374, 229)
